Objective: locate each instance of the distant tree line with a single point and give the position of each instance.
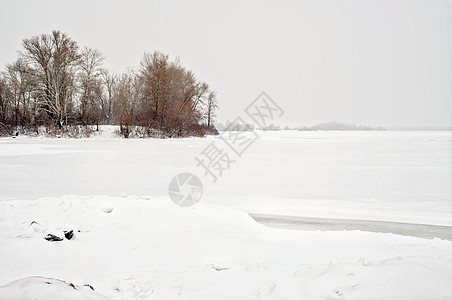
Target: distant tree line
(57, 85)
(339, 127)
(230, 126)
(327, 126)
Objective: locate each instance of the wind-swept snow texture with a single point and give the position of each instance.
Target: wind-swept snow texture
(135, 247)
(36, 287)
(131, 241)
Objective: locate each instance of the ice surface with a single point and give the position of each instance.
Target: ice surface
(392, 176)
(144, 246)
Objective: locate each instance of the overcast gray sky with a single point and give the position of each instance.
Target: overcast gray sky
(382, 62)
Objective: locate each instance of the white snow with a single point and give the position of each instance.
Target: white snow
(390, 176)
(137, 247)
(36, 287)
(144, 246)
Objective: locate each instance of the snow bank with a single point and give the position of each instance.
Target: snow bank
(144, 247)
(42, 288)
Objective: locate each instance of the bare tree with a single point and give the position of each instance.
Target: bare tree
(172, 98)
(53, 60)
(55, 83)
(124, 92)
(21, 82)
(91, 85)
(211, 107)
(108, 81)
(5, 96)
(155, 83)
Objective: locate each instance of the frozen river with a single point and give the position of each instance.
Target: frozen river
(382, 176)
(336, 188)
(322, 224)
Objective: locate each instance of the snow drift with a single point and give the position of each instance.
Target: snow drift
(145, 247)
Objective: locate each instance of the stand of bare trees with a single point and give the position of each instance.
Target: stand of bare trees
(56, 85)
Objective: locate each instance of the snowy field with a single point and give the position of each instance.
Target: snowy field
(131, 241)
(390, 176)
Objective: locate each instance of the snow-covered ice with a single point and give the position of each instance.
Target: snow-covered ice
(131, 241)
(390, 176)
